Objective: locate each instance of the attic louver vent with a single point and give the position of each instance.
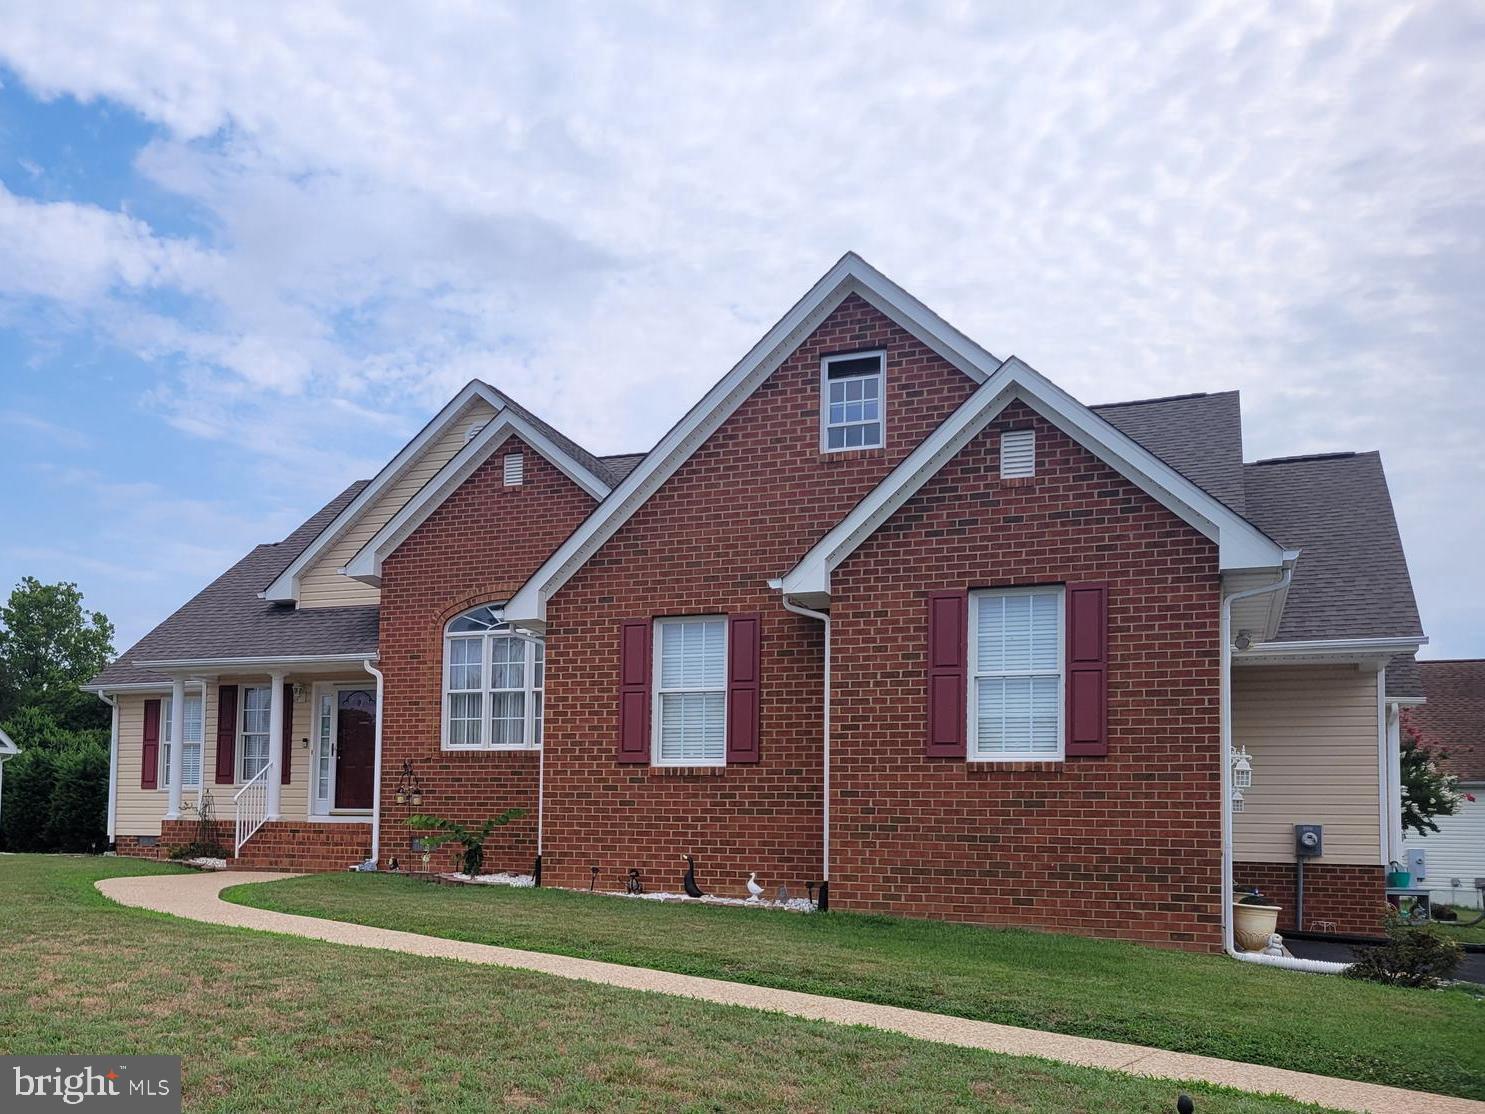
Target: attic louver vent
(1017, 453)
(473, 431)
(515, 470)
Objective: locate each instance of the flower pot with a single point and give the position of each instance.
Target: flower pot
(1252, 925)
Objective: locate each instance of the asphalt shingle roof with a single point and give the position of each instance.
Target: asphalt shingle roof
(226, 619)
(1200, 436)
(1453, 720)
(1351, 580)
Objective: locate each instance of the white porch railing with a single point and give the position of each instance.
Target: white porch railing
(251, 804)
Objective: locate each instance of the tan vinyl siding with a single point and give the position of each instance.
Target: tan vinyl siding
(140, 810)
(1312, 732)
(322, 585)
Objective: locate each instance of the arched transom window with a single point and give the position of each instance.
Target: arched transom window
(492, 683)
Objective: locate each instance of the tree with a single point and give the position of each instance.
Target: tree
(49, 646)
(1427, 791)
(30, 778)
(78, 820)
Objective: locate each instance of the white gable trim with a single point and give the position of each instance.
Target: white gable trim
(851, 275)
(1241, 544)
(8, 749)
(285, 588)
(366, 565)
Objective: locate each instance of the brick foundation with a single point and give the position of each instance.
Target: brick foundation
(135, 847)
(1351, 896)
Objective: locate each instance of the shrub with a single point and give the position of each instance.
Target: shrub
(78, 817)
(26, 813)
(453, 832)
(1412, 956)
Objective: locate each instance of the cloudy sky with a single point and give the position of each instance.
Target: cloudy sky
(244, 256)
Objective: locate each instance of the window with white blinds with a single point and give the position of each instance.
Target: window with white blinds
(1017, 453)
(257, 711)
(1016, 664)
(493, 685)
(190, 758)
(690, 714)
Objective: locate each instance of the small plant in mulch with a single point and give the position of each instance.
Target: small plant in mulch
(1414, 955)
(205, 845)
(472, 840)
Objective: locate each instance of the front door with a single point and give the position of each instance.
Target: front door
(355, 747)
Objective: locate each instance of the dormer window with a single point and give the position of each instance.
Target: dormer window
(852, 388)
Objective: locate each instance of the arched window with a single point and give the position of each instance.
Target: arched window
(492, 683)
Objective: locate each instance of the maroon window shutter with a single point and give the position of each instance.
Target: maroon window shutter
(948, 673)
(634, 691)
(288, 741)
(226, 734)
(149, 759)
(743, 666)
(1087, 670)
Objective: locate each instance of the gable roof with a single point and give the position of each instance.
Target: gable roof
(1352, 580)
(284, 585)
(1200, 435)
(366, 564)
(1240, 544)
(227, 619)
(1453, 720)
(8, 749)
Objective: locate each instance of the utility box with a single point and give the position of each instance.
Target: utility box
(1307, 841)
(1417, 864)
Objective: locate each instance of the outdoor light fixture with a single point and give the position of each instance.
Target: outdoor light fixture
(409, 788)
(1237, 800)
(1242, 769)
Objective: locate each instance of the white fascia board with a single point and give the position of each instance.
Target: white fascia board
(1241, 545)
(227, 664)
(285, 588)
(7, 747)
(1333, 647)
(366, 565)
(850, 275)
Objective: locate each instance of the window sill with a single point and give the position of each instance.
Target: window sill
(686, 771)
(981, 767)
(490, 750)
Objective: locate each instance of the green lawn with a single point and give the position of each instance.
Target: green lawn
(275, 1023)
(1474, 934)
(1426, 1040)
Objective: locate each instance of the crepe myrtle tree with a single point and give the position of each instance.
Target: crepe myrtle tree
(472, 840)
(1427, 791)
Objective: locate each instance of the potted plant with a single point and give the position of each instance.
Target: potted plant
(1254, 921)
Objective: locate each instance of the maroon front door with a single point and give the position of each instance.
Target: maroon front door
(355, 748)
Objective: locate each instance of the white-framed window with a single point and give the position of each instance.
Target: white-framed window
(689, 716)
(190, 759)
(257, 713)
(493, 682)
(1017, 453)
(325, 729)
(1016, 672)
(853, 391)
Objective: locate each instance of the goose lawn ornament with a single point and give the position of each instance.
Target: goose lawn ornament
(755, 891)
(689, 881)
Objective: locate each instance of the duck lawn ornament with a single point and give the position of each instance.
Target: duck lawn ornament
(810, 888)
(633, 885)
(755, 891)
(689, 881)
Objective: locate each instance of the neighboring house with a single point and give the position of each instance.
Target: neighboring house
(1452, 723)
(8, 750)
(881, 609)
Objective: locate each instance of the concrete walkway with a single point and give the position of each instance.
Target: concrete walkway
(197, 897)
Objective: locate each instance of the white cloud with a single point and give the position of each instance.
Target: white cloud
(601, 208)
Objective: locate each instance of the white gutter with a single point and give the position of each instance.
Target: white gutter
(1387, 646)
(1316, 966)
(113, 758)
(229, 663)
(376, 784)
(823, 617)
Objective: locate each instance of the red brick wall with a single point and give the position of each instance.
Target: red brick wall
(741, 510)
(132, 847)
(478, 547)
(1124, 845)
(1350, 896)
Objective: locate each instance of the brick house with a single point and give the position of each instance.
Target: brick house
(882, 614)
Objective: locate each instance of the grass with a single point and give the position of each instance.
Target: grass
(1425, 1040)
(275, 1023)
(1473, 934)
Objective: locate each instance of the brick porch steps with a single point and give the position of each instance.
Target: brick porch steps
(301, 846)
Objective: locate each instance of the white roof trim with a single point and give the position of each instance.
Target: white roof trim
(851, 275)
(8, 749)
(366, 564)
(285, 588)
(1241, 544)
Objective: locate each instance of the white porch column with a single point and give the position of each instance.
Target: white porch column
(275, 742)
(177, 745)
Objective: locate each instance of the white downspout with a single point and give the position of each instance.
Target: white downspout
(823, 617)
(113, 762)
(1313, 965)
(376, 783)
